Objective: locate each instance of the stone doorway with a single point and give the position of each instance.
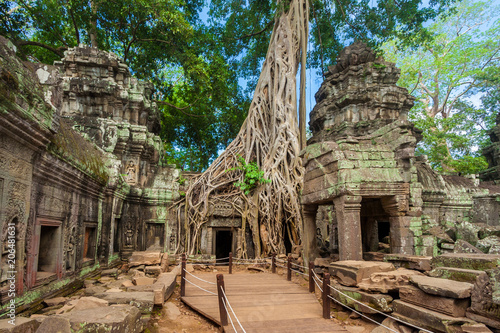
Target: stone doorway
(49, 248)
(223, 242)
(375, 225)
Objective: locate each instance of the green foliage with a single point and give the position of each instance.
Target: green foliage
(445, 75)
(181, 180)
(252, 178)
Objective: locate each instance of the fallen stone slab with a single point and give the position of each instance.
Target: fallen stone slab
(420, 263)
(462, 246)
(139, 258)
(153, 270)
(55, 325)
(171, 311)
(82, 304)
(127, 283)
(442, 287)
(385, 282)
(164, 263)
(168, 280)
(484, 300)
(21, 325)
(352, 272)
(369, 301)
(373, 256)
(427, 319)
(485, 244)
(143, 281)
(117, 318)
(475, 261)
(393, 325)
(142, 300)
(449, 306)
(491, 322)
(456, 274)
(111, 272)
(475, 328)
(322, 262)
(55, 301)
(94, 290)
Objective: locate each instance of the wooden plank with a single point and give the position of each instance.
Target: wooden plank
(262, 303)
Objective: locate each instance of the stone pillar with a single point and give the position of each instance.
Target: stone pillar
(347, 210)
(401, 235)
(309, 233)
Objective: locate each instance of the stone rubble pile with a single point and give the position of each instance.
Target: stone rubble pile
(448, 293)
(118, 300)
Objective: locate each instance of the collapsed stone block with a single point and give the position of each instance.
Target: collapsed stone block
(420, 263)
(449, 306)
(456, 274)
(442, 287)
(384, 282)
(144, 301)
(22, 325)
(479, 262)
(369, 301)
(352, 272)
(139, 258)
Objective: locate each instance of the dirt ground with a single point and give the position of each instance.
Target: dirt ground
(175, 317)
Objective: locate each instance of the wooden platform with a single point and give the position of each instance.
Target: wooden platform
(263, 302)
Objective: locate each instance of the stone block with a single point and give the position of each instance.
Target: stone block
(373, 256)
(94, 290)
(369, 301)
(442, 287)
(169, 281)
(352, 272)
(142, 300)
(475, 261)
(475, 328)
(88, 303)
(485, 244)
(144, 258)
(322, 262)
(489, 321)
(119, 319)
(385, 282)
(456, 274)
(55, 301)
(462, 246)
(112, 272)
(127, 283)
(427, 319)
(153, 270)
(22, 325)
(449, 306)
(55, 325)
(420, 263)
(143, 281)
(164, 263)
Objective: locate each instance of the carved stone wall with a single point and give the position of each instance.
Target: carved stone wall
(80, 173)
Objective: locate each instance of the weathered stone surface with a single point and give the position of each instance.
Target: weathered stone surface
(483, 302)
(144, 258)
(120, 319)
(485, 244)
(456, 274)
(369, 301)
(88, 303)
(479, 262)
(352, 272)
(373, 256)
(442, 287)
(143, 281)
(112, 272)
(22, 325)
(420, 263)
(55, 301)
(55, 325)
(450, 306)
(169, 281)
(322, 262)
(462, 246)
(491, 322)
(428, 319)
(385, 282)
(153, 270)
(393, 325)
(475, 328)
(164, 263)
(142, 300)
(171, 311)
(94, 290)
(127, 283)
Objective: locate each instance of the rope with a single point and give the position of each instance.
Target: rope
(199, 278)
(230, 319)
(298, 265)
(194, 284)
(359, 313)
(205, 260)
(234, 314)
(211, 264)
(282, 266)
(385, 314)
(296, 271)
(314, 279)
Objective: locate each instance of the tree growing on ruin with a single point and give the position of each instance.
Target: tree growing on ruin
(442, 73)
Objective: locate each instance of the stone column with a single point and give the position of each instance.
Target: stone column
(309, 233)
(401, 235)
(347, 210)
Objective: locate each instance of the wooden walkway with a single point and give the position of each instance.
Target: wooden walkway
(263, 302)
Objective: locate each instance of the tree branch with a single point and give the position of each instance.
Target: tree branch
(258, 32)
(59, 51)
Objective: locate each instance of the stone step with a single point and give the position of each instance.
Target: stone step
(442, 287)
(420, 263)
(456, 274)
(427, 319)
(475, 261)
(449, 306)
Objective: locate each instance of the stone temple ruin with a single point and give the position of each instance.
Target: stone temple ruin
(83, 185)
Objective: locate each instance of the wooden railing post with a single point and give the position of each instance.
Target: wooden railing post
(183, 274)
(289, 269)
(230, 262)
(311, 277)
(326, 293)
(273, 263)
(222, 309)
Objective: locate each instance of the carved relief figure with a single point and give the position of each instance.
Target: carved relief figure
(131, 172)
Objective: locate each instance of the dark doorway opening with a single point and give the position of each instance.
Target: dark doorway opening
(286, 240)
(223, 244)
(48, 253)
(384, 228)
(374, 225)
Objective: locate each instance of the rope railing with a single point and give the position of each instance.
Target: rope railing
(230, 319)
(197, 286)
(196, 277)
(234, 314)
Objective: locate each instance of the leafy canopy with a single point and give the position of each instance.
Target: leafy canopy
(445, 74)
